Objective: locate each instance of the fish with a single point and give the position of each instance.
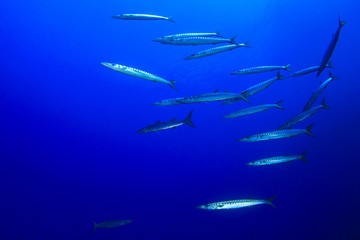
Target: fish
(300, 117)
(138, 16)
(158, 126)
(207, 97)
(185, 35)
(111, 224)
(331, 48)
(198, 41)
(255, 109)
(138, 73)
(217, 50)
(318, 92)
(241, 203)
(277, 134)
(309, 70)
(261, 69)
(278, 159)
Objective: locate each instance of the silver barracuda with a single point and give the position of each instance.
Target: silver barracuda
(278, 159)
(185, 35)
(277, 134)
(318, 91)
(158, 126)
(111, 224)
(256, 109)
(261, 69)
(216, 50)
(241, 203)
(198, 41)
(331, 48)
(207, 97)
(137, 16)
(300, 117)
(138, 73)
(309, 70)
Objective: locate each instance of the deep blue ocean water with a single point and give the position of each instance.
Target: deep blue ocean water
(69, 149)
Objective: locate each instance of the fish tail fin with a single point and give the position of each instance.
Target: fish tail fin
(244, 98)
(278, 105)
(188, 119)
(323, 104)
(330, 65)
(247, 44)
(218, 34)
(320, 71)
(171, 20)
(332, 76)
(232, 40)
(303, 157)
(269, 201)
(171, 83)
(95, 227)
(279, 76)
(287, 67)
(308, 130)
(341, 23)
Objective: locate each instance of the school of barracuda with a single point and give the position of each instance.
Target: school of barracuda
(226, 97)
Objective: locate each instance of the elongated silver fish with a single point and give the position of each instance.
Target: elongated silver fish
(185, 35)
(198, 41)
(138, 73)
(241, 203)
(207, 97)
(255, 109)
(111, 224)
(158, 126)
(277, 134)
(278, 159)
(300, 117)
(217, 50)
(261, 69)
(309, 70)
(331, 48)
(318, 91)
(138, 16)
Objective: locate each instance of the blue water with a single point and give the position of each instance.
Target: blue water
(70, 153)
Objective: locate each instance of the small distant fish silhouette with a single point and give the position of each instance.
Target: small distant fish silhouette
(111, 224)
(241, 203)
(137, 16)
(278, 159)
(331, 48)
(216, 50)
(309, 70)
(167, 125)
(255, 109)
(261, 69)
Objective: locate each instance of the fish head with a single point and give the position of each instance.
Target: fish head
(194, 55)
(164, 103)
(245, 139)
(161, 39)
(114, 66)
(210, 206)
(143, 130)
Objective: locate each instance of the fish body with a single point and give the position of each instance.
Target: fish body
(198, 41)
(186, 35)
(234, 204)
(318, 91)
(137, 16)
(300, 117)
(207, 97)
(256, 109)
(138, 73)
(309, 70)
(331, 48)
(260, 69)
(216, 50)
(158, 126)
(111, 224)
(277, 134)
(278, 159)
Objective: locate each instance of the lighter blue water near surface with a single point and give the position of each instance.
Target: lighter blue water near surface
(69, 149)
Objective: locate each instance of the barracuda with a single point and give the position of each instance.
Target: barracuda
(158, 126)
(138, 73)
(136, 16)
(185, 35)
(198, 41)
(256, 109)
(318, 92)
(241, 203)
(217, 50)
(309, 70)
(278, 159)
(300, 117)
(261, 69)
(277, 134)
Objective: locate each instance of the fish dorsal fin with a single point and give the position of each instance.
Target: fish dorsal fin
(216, 90)
(158, 121)
(173, 119)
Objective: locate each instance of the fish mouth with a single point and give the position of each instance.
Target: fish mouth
(109, 65)
(157, 40)
(156, 103)
(117, 16)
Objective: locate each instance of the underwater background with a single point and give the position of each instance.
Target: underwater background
(70, 154)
